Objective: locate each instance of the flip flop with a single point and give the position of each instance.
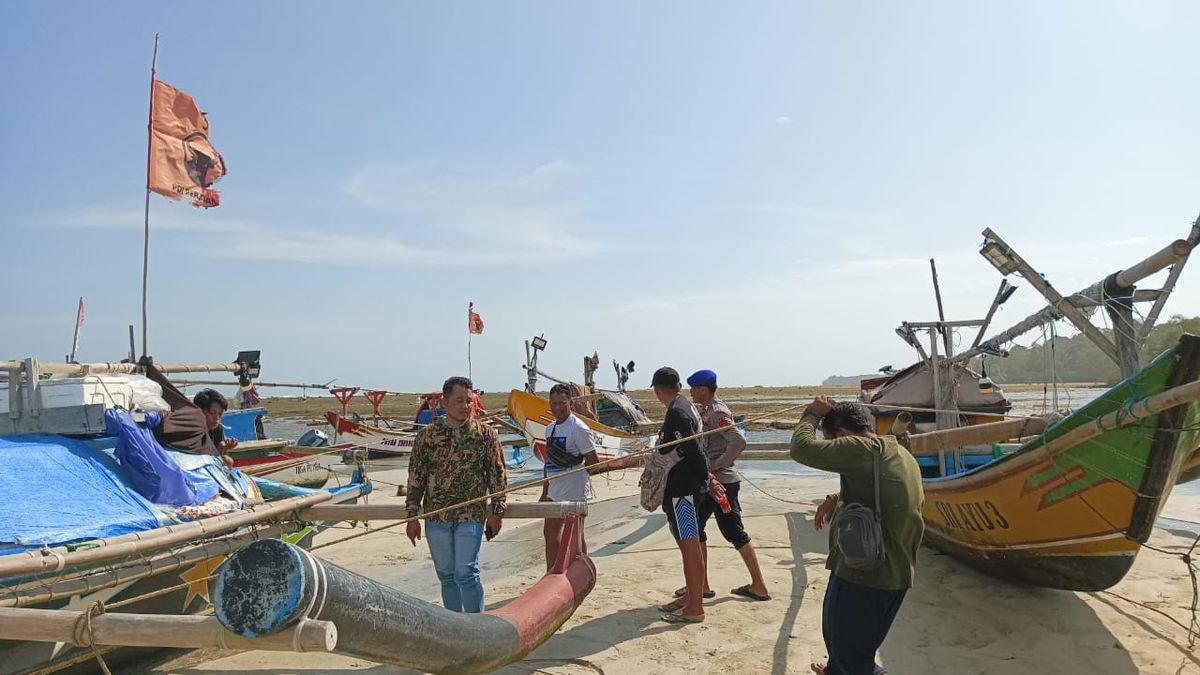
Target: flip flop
(672, 606)
(675, 617)
(680, 592)
(745, 592)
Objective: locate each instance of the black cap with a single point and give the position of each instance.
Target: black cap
(665, 377)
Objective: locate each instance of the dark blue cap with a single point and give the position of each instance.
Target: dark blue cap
(702, 378)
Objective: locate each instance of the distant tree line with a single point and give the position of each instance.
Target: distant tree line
(1076, 359)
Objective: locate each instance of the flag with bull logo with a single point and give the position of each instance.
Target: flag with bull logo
(182, 162)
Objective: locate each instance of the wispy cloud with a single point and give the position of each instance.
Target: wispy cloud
(441, 217)
(783, 119)
(533, 211)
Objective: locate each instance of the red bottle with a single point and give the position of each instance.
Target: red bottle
(718, 493)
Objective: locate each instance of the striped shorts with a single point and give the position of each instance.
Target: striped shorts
(681, 516)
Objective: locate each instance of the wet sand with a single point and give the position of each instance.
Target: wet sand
(954, 620)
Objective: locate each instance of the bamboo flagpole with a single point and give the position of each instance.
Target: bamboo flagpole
(146, 233)
(470, 332)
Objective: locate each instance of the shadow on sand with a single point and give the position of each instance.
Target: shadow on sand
(954, 615)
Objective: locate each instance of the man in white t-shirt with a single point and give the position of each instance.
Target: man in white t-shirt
(574, 447)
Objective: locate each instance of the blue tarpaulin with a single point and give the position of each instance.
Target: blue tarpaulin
(58, 490)
(147, 467)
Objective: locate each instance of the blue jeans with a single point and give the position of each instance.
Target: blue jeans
(455, 551)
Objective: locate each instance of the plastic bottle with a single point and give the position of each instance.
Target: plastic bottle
(722, 499)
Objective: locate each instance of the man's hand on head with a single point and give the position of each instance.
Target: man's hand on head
(821, 405)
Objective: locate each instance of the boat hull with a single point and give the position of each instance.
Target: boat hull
(532, 415)
(1075, 519)
(293, 468)
(378, 443)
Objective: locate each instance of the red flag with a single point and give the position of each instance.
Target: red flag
(182, 162)
(474, 322)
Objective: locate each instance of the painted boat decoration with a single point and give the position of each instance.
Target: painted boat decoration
(1074, 517)
(383, 625)
(532, 415)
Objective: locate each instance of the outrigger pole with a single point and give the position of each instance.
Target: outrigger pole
(146, 235)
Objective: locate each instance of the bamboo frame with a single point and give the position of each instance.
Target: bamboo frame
(156, 630)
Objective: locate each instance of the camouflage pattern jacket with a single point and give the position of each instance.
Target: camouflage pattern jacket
(451, 464)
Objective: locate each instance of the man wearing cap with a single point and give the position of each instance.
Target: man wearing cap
(685, 490)
(722, 451)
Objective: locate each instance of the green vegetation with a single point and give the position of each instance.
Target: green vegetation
(1076, 359)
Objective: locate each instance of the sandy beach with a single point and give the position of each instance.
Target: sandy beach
(953, 621)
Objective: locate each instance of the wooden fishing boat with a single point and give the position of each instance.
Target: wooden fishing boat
(120, 518)
(1071, 507)
(384, 625)
(378, 442)
(532, 415)
(126, 546)
(911, 390)
(273, 459)
(1074, 515)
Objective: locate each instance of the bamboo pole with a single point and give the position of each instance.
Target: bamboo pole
(363, 512)
(56, 559)
(1177, 396)
(978, 434)
(156, 630)
(84, 369)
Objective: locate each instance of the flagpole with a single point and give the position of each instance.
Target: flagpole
(470, 332)
(75, 338)
(146, 235)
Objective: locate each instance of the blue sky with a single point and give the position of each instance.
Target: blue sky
(753, 189)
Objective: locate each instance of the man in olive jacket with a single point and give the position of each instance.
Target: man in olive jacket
(860, 605)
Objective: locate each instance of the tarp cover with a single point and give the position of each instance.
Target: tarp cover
(147, 467)
(57, 490)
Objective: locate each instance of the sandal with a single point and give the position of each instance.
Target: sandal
(745, 592)
(672, 606)
(675, 617)
(680, 592)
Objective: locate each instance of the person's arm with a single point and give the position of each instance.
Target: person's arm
(418, 474)
(735, 442)
(497, 471)
(848, 454)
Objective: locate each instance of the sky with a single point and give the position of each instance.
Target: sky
(754, 189)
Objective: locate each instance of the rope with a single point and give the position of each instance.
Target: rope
(781, 499)
(540, 481)
(82, 635)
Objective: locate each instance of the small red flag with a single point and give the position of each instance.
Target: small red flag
(474, 322)
(182, 161)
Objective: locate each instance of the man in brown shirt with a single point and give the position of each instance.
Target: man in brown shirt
(456, 459)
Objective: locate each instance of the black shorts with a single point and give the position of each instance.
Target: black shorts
(730, 523)
(681, 516)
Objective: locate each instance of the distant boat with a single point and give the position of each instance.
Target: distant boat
(272, 459)
(532, 415)
(978, 401)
